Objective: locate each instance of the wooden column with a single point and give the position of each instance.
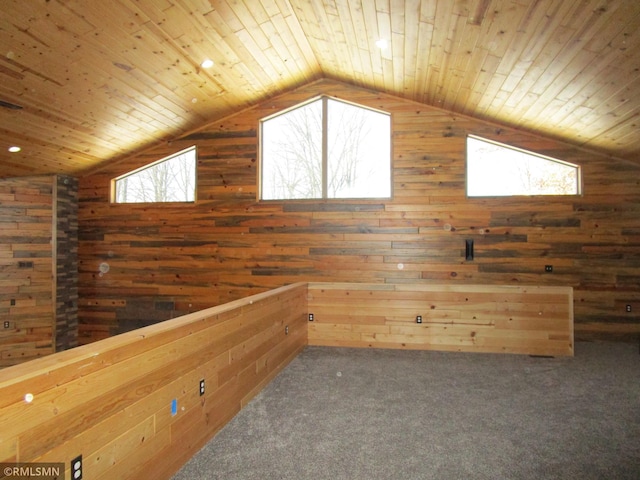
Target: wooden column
(38, 267)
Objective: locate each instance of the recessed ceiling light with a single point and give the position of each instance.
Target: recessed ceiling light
(208, 63)
(14, 149)
(382, 43)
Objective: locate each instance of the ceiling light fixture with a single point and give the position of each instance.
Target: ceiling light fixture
(208, 63)
(382, 43)
(14, 149)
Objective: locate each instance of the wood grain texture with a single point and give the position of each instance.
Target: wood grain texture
(111, 401)
(465, 318)
(66, 262)
(97, 81)
(38, 266)
(167, 260)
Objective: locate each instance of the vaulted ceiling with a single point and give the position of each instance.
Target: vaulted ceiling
(84, 82)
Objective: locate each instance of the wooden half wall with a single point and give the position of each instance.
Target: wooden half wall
(132, 406)
(535, 320)
(111, 401)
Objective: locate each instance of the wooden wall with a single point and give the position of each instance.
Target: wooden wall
(134, 406)
(66, 262)
(530, 320)
(167, 260)
(38, 276)
(111, 401)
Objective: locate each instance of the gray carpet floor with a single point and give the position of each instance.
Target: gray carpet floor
(388, 414)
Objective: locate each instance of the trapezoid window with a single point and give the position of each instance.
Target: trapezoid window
(170, 179)
(495, 169)
(324, 149)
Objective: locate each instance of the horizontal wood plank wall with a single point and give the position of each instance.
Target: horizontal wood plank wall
(27, 318)
(111, 401)
(38, 266)
(166, 260)
(465, 318)
(66, 255)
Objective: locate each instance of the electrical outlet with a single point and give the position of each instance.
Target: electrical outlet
(286, 330)
(548, 268)
(76, 468)
(6, 325)
(419, 319)
(311, 317)
(628, 309)
(202, 387)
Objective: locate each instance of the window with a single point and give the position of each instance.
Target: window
(495, 169)
(171, 179)
(326, 149)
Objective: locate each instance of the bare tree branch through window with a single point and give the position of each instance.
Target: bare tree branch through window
(326, 149)
(494, 169)
(172, 179)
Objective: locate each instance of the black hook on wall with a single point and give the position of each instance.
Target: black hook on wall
(468, 249)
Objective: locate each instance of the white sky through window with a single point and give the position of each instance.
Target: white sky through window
(495, 169)
(356, 162)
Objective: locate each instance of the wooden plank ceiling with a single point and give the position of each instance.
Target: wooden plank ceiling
(96, 80)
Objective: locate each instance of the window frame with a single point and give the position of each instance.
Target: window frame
(324, 153)
(579, 182)
(194, 148)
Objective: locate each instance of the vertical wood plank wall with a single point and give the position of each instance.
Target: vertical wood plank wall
(470, 318)
(111, 401)
(167, 260)
(38, 281)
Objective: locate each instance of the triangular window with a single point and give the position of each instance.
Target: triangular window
(495, 169)
(171, 179)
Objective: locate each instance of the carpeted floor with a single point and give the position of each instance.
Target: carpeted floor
(389, 414)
